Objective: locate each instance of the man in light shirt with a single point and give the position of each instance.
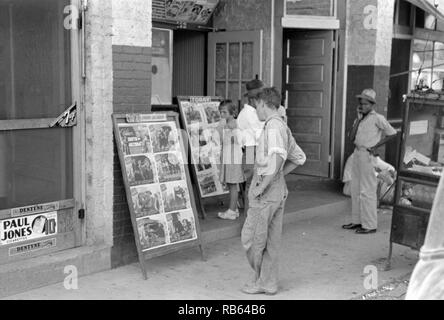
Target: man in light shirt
(366, 134)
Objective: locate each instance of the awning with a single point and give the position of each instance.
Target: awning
(429, 6)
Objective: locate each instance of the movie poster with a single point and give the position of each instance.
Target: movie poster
(26, 228)
(155, 173)
(202, 118)
(190, 11)
(181, 226)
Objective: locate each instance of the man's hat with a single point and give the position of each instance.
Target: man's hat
(368, 94)
(254, 87)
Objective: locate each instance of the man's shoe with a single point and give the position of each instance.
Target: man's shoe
(352, 226)
(365, 231)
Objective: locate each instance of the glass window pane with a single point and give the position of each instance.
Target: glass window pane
(422, 59)
(234, 61)
(234, 91)
(424, 145)
(221, 89)
(438, 67)
(221, 61)
(162, 69)
(247, 61)
(34, 59)
(35, 166)
(416, 195)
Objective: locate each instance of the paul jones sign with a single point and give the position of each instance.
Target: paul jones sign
(28, 228)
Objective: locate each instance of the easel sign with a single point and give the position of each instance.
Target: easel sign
(201, 118)
(157, 184)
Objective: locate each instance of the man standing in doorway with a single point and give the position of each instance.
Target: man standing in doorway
(366, 134)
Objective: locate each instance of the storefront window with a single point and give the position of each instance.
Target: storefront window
(35, 83)
(34, 59)
(35, 167)
(416, 195)
(428, 65)
(424, 144)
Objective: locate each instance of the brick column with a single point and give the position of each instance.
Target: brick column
(369, 42)
(131, 64)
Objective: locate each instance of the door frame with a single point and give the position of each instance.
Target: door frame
(78, 131)
(78, 78)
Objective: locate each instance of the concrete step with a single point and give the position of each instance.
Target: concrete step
(42, 271)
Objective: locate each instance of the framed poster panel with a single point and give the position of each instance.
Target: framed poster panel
(157, 184)
(201, 117)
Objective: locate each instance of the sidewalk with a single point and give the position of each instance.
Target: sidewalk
(319, 260)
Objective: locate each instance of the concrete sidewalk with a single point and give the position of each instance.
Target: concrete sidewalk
(319, 260)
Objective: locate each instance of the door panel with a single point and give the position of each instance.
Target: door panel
(36, 162)
(308, 64)
(234, 58)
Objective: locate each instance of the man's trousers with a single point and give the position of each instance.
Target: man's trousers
(363, 190)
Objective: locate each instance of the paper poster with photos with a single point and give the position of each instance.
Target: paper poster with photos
(157, 183)
(190, 11)
(201, 118)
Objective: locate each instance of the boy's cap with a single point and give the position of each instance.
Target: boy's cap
(254, 87)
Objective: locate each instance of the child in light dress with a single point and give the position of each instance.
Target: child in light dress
(231, 172)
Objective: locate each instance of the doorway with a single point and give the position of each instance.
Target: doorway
(307, 88)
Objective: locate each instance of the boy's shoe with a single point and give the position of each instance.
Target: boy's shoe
(228, 215)
(257, 290)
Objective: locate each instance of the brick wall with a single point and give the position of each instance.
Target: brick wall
(369, 41)
(131, 93)
(132, 78)
(131, 58)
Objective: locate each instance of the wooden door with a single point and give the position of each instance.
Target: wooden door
(234, 58)
(308, 77)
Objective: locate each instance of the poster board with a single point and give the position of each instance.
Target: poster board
(157, 184)
(201, 118)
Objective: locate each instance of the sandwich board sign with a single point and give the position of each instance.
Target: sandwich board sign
(157, 184)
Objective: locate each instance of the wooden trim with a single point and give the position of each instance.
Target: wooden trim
(304, 22)
(78, 136)
(63, 204)
(430, 35)
(25, 124)
(402, 31)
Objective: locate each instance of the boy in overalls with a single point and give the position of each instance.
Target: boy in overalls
(261, 233)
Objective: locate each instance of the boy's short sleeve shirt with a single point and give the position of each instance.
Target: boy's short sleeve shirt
(273, 140)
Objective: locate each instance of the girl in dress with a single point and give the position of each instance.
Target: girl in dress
(231, 172)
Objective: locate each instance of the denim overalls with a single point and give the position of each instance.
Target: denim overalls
(261, 233)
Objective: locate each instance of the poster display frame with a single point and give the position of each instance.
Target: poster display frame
(162, 221)
(204, 125)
